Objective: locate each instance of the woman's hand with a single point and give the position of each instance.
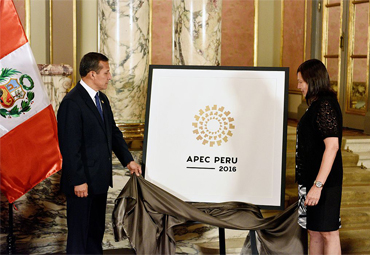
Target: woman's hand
(313, 196)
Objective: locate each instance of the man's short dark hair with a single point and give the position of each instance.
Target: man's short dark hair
(90, 62)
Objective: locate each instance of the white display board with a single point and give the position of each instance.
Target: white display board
(217, 134)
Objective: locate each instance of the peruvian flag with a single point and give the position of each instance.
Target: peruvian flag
(29, 150)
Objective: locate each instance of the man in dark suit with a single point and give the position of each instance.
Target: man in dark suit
(87, 135)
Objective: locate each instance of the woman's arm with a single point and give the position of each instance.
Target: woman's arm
(331, 149)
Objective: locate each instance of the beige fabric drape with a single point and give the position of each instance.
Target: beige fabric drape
(146, 215)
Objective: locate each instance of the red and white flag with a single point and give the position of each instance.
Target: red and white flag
(29, 150)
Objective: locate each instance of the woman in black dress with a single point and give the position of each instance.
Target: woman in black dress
(319, 170)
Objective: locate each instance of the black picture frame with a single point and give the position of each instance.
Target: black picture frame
(152, 114)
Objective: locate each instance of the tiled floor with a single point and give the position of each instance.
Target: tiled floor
(292, 123)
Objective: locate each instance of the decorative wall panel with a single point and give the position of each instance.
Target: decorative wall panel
(293, 41)
(237, 47)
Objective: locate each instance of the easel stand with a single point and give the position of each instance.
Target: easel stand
(252, 234)
(11, 238)
(221, 236)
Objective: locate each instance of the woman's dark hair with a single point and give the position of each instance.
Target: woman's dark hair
(314, 73)
(90, 62)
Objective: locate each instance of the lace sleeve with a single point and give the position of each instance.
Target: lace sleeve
(327, 120)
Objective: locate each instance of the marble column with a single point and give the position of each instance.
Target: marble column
(124, 39)
(196, 32)
(57, 82)
(197, 41)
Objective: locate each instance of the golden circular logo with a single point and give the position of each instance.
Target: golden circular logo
(213, 125)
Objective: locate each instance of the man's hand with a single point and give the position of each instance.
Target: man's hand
(134, 168)
(81, 190)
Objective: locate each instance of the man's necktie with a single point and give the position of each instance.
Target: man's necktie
(97, 101)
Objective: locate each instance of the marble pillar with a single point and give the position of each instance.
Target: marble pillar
(196, 28)
(124, 39)
(196, 32)
(57, 82)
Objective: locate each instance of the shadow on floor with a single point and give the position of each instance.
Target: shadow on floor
(112, 252)
(119, 251)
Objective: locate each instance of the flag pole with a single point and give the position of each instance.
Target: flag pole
(10, 237)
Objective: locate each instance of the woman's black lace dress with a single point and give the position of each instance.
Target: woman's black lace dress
(322, 119)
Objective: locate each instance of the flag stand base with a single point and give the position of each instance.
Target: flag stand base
(11, 238)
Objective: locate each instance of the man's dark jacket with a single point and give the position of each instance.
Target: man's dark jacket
(86, 142)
